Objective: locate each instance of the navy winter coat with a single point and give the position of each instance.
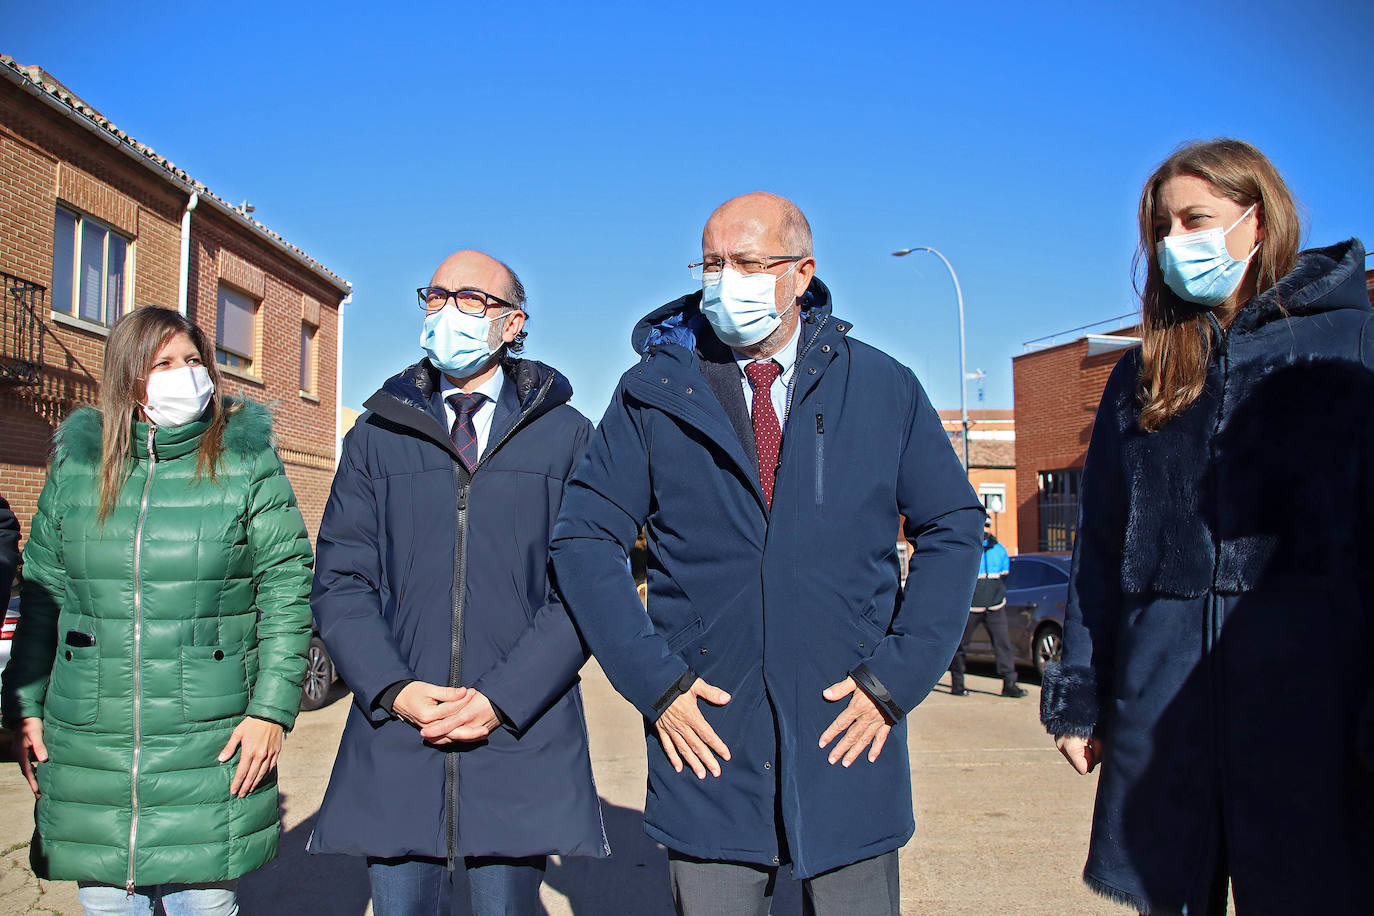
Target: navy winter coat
(772, 607)
(1218, 628)
(426, 572)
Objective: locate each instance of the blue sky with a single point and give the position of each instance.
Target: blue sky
(586, 145)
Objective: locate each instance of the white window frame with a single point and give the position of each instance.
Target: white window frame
(73, 307)
(988, 492)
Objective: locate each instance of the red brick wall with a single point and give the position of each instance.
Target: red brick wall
(1056, 392)
(289, 295)
(45, 158)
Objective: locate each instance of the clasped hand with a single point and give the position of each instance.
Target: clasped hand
(446, 715)
(688, 738)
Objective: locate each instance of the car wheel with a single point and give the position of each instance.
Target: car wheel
(1046, 647)
(319, 675)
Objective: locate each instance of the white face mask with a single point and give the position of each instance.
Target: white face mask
(177, 396)
(742, 308)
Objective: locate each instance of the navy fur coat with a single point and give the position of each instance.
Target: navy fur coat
(1217, 634)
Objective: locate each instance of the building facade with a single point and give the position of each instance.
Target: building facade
(1056, 391)
(94, 224)
(992, 465)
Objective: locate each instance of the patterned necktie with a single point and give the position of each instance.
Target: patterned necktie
(767, 431)
(464, 433)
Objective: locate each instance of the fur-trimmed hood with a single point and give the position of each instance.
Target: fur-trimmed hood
(248, 430)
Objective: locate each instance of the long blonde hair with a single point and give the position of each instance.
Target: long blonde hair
(1176, 341)
(134, 342)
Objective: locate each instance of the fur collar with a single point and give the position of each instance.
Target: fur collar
(1324, 279)
(79, 437)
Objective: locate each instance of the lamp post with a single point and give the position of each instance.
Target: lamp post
(963, 372)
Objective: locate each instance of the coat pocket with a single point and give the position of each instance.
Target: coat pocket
(683, 637)
(74, 689)
(214, 683)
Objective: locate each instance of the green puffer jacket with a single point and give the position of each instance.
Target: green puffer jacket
(143, 644)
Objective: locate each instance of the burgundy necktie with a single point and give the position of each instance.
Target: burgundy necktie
(464, 433)
(767, 432)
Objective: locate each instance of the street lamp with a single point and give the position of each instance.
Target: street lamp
(963, 372)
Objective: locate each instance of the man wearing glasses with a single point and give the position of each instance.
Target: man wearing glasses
(466, 746)
(768, 456)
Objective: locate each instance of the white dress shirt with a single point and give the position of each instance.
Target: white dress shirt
(481, 420)
(787, 359)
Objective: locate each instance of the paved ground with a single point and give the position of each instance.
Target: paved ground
(1001, 822)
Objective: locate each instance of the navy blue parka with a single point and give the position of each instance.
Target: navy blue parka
(427, 572)
(1217, 634)
(771, 606)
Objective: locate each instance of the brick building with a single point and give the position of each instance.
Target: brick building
(93, 224)
(1056, 390)
(992, 465)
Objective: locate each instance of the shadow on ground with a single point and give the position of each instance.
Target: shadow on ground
(634, 880)
(297, 882)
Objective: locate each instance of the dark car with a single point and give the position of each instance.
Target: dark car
(1036, 591)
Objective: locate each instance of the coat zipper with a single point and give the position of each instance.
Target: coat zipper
(787, 409)
(138, 655)
(796, 367)
(462, 481)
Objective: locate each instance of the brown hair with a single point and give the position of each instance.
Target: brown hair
(134, 342)
(1176, 340)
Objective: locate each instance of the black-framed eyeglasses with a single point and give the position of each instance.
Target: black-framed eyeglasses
(747, 264)
(469, 300)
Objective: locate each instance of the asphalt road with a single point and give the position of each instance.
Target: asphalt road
(1001, 822)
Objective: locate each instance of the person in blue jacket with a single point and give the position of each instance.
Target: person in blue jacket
(988, 610)
(768, 456)
(466, 745)
(1217, 658)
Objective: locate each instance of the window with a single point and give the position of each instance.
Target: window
(1059, 508)
(994, 497)
(236, 331)
(307, 358)
(1027, 573)
(89, 268)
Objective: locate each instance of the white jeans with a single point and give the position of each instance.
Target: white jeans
(216, 899)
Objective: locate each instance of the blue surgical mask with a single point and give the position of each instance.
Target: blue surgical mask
(741, 308)
(1197, 266)
(456, 342)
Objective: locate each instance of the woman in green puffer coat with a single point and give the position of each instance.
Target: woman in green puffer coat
(164, 622)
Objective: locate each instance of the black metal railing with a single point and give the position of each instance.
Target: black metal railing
(1058, 508)
(21, 329)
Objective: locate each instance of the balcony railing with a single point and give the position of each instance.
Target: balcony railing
(21, 330)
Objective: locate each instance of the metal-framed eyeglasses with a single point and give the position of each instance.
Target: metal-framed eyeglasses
(468, 300)
(709, 268)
